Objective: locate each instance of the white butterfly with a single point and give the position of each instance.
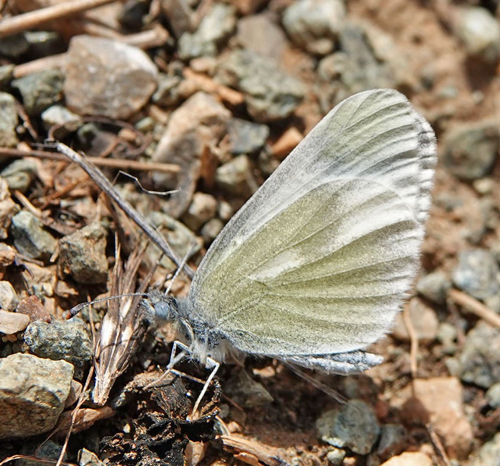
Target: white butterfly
(314, 267)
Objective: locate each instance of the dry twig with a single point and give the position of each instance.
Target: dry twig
(25, 21)
(474, 306)
(413, 341)
(108, 188)
(119, 164)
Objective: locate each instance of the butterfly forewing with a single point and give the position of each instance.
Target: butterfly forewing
(319, 259)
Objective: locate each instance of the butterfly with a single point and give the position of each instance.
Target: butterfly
(315, 266)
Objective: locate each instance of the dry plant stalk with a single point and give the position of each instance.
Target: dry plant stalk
(122, 327)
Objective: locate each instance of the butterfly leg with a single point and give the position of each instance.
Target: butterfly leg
(174, 359)
(210, 364)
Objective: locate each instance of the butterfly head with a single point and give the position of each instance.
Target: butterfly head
(162, 307)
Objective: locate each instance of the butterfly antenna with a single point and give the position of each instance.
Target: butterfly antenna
(180, 268)
(79, 307)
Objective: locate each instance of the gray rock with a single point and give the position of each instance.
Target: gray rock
(40, 90)
(20, 173)
(48, 450)
(356, 67)
(336, 456)
(87, 458)
(66, 340)
(480, 357)
(246, 391)
(83, 254)
(392, 441)
(470, 151)
(6, 75)
(315, 24)
(179, 14)
(199, 122)
(493, 395)
(30, 238)
(12, 322)
(434, 286)
(8, 120)
(447, 335)
(211, 230)
(257, 32)
(167, 93)
(479, 30)
(62, 116)
(235, 177)
(352, 426)
(181, 239)
(477, 273)
(225, 211)
(8, 208)
(32, 394)
(202, 208)
(488, 454)
(213, 31)
(8, 296)
(246, 137)
(270, 93)
(107, 77)
(14, 46)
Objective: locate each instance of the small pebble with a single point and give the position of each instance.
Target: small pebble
(413, 458)
(235, 177)
(434, 286)
(470, 151)
(8, 120)
(439, 401)
(30, 237)
(8, 296)
(270, 93)
(12, 322)
(479, 31)
(6, 75)
(66, 340)
(336, 456)
(40, 90)
(225, 211)
(107, 77)
(34, 309)
(477, 273)
(20, 174)
(424, 320)
(211, 230)
(246, 137)
(87, 458)
(352, 425)
(215, 28)
(246, 391)
(61, 116)
(488, 454)
(256, 32)
(480, 356)
(392, 440)
(203, 207)
(493, 395)
(315, 24)
(33, 392)
(199, 122)
(83, 254)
